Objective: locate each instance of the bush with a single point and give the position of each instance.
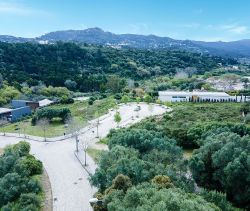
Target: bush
(29, 202)
(118, 96)
(29, 166)
(67, 100)
(50, 113)
(91, 100)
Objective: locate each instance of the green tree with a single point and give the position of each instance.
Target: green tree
(219, 199)
(245, 108)
(19, 189)
(71, 85)
(121, 182)
(148, 99)
(162, 181)
(117, 118)
(222, 164)
(147, 197)
(115, 84)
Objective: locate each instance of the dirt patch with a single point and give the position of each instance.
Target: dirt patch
(1, 151)
(47, 204)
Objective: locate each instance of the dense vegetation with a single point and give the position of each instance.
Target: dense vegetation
(19, 185)
(188, 121)
(145, 170)
(141, 155)
(86, 67)
(149, 197)
(222, 164)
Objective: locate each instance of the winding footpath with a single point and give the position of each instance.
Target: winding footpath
(69, 180)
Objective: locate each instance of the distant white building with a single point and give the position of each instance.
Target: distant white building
(195, 96)
(45, 102)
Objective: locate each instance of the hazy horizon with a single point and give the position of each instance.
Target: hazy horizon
(123, 34)
(180, 19)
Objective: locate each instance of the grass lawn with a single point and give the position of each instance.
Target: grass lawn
(94, 153)
(80, 111)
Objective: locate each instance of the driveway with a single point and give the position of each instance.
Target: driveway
(69, 181)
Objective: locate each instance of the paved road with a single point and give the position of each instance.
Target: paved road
(70, 186)
(69, 181)
(129, 117)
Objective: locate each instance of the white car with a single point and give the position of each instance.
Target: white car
(138, 108)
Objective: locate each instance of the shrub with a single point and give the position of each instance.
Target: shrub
(67, 100)
(50, 113)
(91, 100)
(29, 202)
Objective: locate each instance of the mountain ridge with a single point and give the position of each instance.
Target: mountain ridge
(240, 48)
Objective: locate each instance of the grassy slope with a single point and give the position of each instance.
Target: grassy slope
(81, 112)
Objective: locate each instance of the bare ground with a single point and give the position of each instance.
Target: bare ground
(47, 204)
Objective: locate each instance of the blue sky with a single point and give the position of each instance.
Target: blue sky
(207, 20)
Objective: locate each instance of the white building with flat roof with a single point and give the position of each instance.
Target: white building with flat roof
(195, 96)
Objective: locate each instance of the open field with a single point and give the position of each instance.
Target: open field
(80, 111)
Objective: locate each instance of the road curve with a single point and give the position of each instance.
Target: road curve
(69, 181)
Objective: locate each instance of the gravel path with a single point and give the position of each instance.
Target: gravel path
(69, 181)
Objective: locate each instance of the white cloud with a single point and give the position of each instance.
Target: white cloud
(7, 8)
(239, 30)
(234, 28)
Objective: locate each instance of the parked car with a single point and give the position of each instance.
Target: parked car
(138, 108)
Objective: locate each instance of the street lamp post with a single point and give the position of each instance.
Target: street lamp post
(85, 147)
(77, 141)
(97, 128)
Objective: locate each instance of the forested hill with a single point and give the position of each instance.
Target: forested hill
(89, 65)
(97, 36)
